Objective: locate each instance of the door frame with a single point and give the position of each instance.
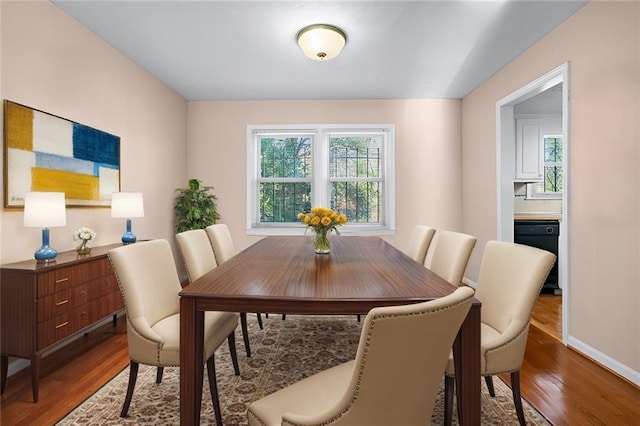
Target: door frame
(505, 162)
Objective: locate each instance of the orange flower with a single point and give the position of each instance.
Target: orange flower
(322, 219)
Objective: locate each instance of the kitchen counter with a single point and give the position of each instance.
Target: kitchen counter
(537, 216)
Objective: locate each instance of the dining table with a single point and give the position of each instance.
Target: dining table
(284, 275)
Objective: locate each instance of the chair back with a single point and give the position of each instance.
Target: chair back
(197, 253)
(419, 242)
(451, 254)
(221, 242)
(510, 278)
(148, 280)
(399, 364)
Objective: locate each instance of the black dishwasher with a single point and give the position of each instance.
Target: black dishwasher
(541, 234)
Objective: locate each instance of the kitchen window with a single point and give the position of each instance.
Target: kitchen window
(553, 173)
(349, 168)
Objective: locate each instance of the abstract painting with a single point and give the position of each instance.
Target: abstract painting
(44, 152)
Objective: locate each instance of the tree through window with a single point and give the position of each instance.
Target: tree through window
(345, 168)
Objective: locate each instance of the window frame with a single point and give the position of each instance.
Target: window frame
(320, 175)
(532, 193)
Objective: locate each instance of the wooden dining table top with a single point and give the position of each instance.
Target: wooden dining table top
(286, 274)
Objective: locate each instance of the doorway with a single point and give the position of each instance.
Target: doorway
(555, 80)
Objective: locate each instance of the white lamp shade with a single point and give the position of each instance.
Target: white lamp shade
(44, 209)
(127, 204)
(321, 42)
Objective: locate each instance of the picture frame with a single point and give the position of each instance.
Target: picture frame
(45, 152)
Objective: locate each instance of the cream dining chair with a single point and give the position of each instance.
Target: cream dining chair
(149, 283)
(450, 255)
(394, 379)
(510, 278)
(197, 255)
(223, 248)
(419, 242)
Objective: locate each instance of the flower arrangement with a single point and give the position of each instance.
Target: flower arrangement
(322, 221)
(85, 235)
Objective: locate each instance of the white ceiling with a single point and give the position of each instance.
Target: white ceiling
(224, 50)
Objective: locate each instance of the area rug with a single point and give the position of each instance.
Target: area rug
(284, 352)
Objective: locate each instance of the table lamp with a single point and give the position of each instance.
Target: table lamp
(127, 204)
(44, 210)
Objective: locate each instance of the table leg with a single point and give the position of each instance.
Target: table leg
(466, 352)
(191, 361)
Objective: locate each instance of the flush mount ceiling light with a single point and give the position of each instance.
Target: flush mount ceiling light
(321, 42)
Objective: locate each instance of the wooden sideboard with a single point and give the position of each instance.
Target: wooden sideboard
(44, 305)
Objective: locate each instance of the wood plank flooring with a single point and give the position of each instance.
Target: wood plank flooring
(566, 387)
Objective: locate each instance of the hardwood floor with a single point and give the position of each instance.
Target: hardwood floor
(566, 387)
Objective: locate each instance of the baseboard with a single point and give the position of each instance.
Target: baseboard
(605, 360)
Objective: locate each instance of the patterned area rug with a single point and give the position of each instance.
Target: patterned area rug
(283, 353)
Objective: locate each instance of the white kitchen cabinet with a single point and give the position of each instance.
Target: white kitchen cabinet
(529, 150)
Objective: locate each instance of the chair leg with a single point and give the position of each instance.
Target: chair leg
(231, 338)
(213, 388)
(245, 332)
(133, 375)
(449, 384)
(284, 316)
(159, 372)
(489, 381)
(260, 320)
(517, 399)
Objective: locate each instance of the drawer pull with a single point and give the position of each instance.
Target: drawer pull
(62, 280)
(62, 303)
(62, 325)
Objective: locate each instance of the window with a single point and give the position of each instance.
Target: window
(553, 172)
(347, 168)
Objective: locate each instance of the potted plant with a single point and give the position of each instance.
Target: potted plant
(195, 207)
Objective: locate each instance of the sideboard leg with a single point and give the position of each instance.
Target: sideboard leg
(4, 367)
(35, 375)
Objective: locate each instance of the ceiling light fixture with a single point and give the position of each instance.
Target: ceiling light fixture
(321, 42)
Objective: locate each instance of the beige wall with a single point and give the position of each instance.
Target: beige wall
(427, 153)
(601, 42)
(52, 63)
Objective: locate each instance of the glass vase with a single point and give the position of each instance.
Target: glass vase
(84, 248)
(321, 242)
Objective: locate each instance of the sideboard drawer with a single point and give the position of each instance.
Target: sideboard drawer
(53, 305)
(80, 317)
(54, 281)
(54, 329)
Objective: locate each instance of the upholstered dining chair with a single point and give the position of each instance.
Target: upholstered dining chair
(419, 242)
(221, 241)
(394, 379)
(149, 282)
(223, 247)
(510, 278)
(451, 254)
(197, 255)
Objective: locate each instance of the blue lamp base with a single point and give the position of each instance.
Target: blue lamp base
(128, 237)
(46, 253)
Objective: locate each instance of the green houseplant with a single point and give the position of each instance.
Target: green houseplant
(195, 207)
